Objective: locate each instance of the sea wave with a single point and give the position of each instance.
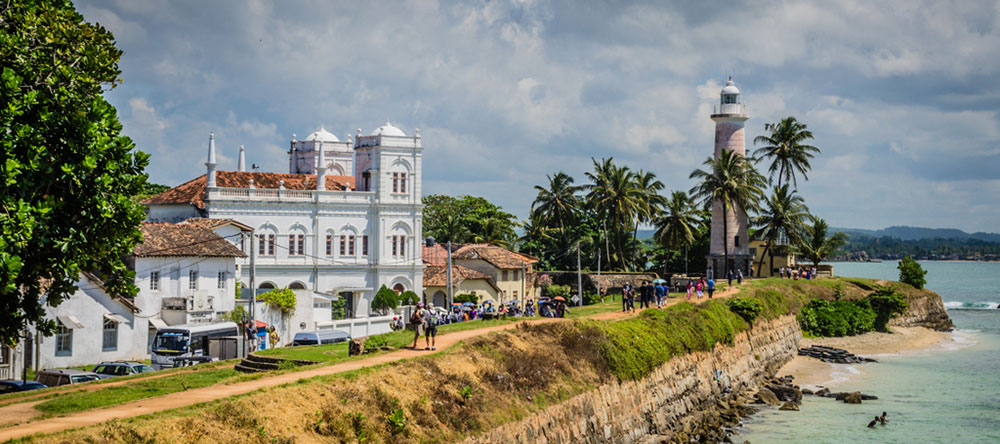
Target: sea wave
(958, 305)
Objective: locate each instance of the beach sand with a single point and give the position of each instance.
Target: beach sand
(813, 372)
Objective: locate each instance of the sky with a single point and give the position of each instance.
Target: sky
(901, 96)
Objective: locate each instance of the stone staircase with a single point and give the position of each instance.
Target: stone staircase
(257, 364)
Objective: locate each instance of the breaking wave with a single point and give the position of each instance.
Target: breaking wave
(958, 305)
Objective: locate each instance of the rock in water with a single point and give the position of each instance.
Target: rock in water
(823, 392)
(789, 406)
(786, 392)
(853, 398)
(765, 396)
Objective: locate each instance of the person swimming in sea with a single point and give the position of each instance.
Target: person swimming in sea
(871, 425)
(882, 419)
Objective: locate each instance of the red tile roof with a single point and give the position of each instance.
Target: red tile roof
(193, 191)
(436, 254)
(497, 256)
(164, 239)
(437, 276)
(212, 224)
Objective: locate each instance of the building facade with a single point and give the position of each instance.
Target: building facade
(729, 236)
(343, 222)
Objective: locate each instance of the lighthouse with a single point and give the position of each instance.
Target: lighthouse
(729, 237)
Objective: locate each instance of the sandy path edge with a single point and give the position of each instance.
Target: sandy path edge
(214, 392)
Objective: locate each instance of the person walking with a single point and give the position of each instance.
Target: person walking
(417, 323)
(430, 321)
(739, 276)
(645, 294)
(272, 336)
(699, 288)
(658, 291)
(814, 273)
(625, 290)
(711, 287)
(730, 276)
(690, 289)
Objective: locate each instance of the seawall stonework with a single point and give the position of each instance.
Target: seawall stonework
(661, 403)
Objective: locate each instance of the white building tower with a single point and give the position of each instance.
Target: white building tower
(729, 117)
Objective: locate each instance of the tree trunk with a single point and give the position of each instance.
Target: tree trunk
(760, 264)
(772, 262)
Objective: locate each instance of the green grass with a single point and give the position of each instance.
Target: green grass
(87, 400)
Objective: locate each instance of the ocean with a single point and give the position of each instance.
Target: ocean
(942, 395)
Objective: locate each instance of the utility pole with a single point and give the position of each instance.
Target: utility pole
(524, 279)
(599, 275)
(253, 286)
(579, 278)
(451, 297)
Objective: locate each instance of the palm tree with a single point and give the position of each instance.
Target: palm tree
(453, 229)
(816, 246)
(787, 150)
(616, 198)
(534, 232)
(675, 228)
(784, 217)
(732, 181)
(650, 203)
(558, 204)
(493, 232)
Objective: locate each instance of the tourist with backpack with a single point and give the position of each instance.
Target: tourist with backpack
(430, 318)
(417, 323)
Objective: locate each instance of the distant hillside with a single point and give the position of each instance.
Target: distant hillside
(919, 233)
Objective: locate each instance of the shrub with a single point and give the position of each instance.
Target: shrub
(373, 343)
(591, 298)
(238, 315)
(911, 273)
(385, 300)
(408, 298)
(468, 297)
(396, 421)
(556, 290)
(747, 308)
(280, 298)
(339, 308)
(544, 280)
(886, 303)
(837, 318)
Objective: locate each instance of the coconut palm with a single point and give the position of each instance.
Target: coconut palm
(558, 204)
(732, 181)
(650, 203)
(494, 231)
(453, 228)
(784, 218)
(816, 247)
(613, 194)
(676, 226)
(785, 146)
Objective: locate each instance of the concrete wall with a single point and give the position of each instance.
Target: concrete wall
(660, 403)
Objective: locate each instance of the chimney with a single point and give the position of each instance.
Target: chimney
(210, 182)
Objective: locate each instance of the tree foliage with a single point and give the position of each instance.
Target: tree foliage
(816, 247)
(911, 273)
(785, 146)
(887, 303)
(385, 300)
(408, 298)
(68, 174)
(783, 220)
(467, 219)
(281, 298)
(747, 307)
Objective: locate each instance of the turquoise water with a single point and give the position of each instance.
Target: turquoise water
(949, 395)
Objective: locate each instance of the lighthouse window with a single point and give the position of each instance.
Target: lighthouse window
(736, 241)
(729, 98)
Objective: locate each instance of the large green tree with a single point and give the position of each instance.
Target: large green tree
(67, 172)
(734, 182)
(783, 219)
(467, 219)
(557, 206)
(816, 246)
(785, 144)
(677, 226)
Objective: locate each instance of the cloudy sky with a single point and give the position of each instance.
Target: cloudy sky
(902, 96)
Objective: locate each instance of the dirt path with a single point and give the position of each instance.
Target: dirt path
(211, 393)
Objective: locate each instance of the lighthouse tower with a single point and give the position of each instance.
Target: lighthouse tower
(729, 236)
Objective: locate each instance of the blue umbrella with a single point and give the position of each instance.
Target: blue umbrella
(488, 301)
(468, 304)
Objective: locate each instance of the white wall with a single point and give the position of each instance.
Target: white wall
(88, 306)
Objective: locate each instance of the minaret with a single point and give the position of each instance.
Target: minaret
(210, 182)
(321, 169)
(242, 165)
(729, 117)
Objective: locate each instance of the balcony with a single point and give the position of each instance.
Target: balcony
(729, 109)
(220, 194)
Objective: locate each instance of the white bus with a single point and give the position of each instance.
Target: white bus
(192, 341)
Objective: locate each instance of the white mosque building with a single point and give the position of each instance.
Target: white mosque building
(344, 221)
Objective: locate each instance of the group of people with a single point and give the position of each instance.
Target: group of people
(424, 322)
(878, 420)
(797, 273)
(255, 340)
(646, 294)
(701, 286)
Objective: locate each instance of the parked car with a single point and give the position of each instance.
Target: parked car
(65, 376)
(107, 370)
(320, 337)
(11, 386)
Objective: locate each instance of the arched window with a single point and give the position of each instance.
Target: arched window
(266, 237)
(266, 286)
(398, 288)
(297, 240)
(297, 286)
